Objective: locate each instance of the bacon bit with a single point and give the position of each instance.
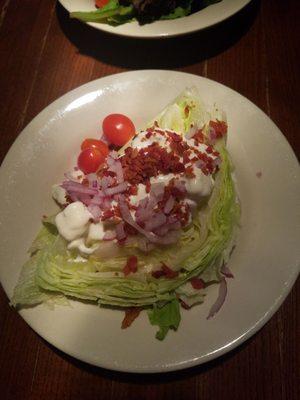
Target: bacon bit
(148, 186)
(197, 283)
(178, 145)
(208, 166)
(209, 150)
(149, 134)
(184, 305)
(133, 190)
(158, 274)
(186, 110)
(199, 137)
(169, 273)
(220, 128)
(186, 156)
(189, 172)
(165, 271)
(117, 213)
(259, 174)
(107, 214)
(130, 315)
(131, 265)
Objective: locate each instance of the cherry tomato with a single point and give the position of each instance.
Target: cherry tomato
(118, 129)
(89, 160)
(95, 144)
(101, 3)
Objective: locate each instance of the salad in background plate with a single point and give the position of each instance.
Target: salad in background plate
(117, 12)
(148, 220)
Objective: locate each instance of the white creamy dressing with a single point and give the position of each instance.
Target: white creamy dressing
(96, 232)
(59, 194)
(81, 246)
(73, 223)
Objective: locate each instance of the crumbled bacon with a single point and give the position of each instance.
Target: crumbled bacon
(148, 186)
(133, 190)
(142, 164)
(199, 137)
(130, 315)
(107, 214)
(189, 172)
(186, 156)
(220, 128)
(177, 144)
(131, 265)
(165, 271)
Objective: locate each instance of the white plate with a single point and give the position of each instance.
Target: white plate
(209, 16)
(265, 262)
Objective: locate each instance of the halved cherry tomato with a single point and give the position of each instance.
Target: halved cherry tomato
(118, 129)
(101, 3)
(89, 160)
(95, 144)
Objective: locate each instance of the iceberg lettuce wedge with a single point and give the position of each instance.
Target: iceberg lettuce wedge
(202, 249)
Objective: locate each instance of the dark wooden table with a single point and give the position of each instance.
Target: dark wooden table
(43, 56)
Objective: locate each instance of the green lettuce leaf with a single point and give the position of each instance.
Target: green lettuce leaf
(166, 317)
(112, 13)
(183, 10)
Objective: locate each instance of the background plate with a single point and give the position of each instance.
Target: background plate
(265, 262)
(203, 19)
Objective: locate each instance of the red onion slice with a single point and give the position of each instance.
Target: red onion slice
(169, 205)
(226, 271)
(156, 221)
(126, 215)
(105, 182)
(220, 300)
(116, 167)
(78, 188)
(85, 199)
(158, 189)
(97, 199)
(180, 185)
(95, 211)
(120, 232)
(116, 189)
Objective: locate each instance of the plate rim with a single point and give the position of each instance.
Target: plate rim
(245, 335)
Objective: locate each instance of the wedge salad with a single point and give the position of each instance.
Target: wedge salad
(117, 12)
(147, 220)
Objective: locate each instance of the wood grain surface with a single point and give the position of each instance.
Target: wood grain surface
(44, 54)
